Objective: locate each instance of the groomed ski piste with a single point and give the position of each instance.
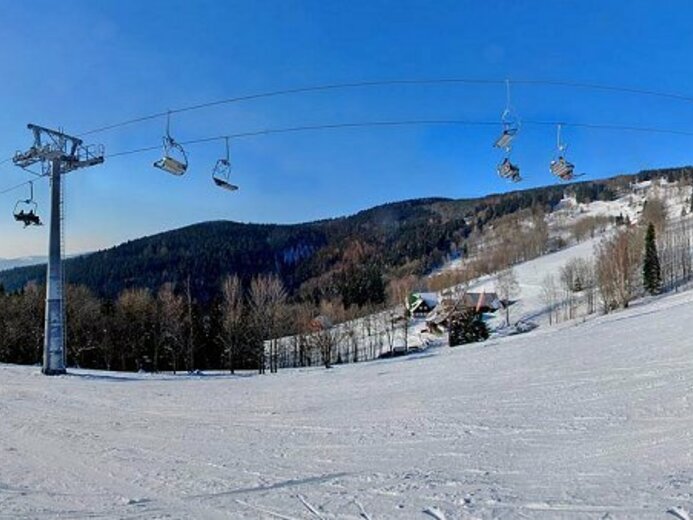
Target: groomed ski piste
(586, 419)
(590, 418)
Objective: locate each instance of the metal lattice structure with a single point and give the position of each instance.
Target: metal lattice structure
(58, 154)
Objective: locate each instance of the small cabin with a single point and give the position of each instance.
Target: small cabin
(421, 304)
(484, 302)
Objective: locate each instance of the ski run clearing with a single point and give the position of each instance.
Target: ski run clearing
(588, 420)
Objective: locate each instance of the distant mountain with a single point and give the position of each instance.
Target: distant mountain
(349, 256)
(10, 263)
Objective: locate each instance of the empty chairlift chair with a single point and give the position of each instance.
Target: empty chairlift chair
(174, 160)
(510, 122)
(504, 142)
(222, 171)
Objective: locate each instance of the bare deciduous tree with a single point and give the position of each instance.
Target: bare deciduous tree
(171, 316)
(325, 340)
(134, 314)
(267, 302)
(231, 319)
(507, 287)
(549, 295)
(84, 323)
(617, 262)
(655, 212)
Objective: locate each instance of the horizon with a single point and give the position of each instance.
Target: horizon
(130, 63)
(43, 258)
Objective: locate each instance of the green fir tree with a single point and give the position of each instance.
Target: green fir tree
(651, 270)
(466, 326)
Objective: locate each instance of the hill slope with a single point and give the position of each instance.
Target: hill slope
(404, 237)
(578, 421)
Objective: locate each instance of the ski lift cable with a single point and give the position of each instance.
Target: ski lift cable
(16, 187)
(391, 82)
(378, 83)
(414, 122)
(373, 124)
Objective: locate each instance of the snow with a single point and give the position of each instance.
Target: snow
(530, 275)
(589, 420)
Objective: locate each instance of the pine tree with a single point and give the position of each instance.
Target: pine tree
(466, 326)
(651, 271)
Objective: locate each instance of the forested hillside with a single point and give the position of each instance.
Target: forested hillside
(346, 257)
(413, 236)
(208, 295)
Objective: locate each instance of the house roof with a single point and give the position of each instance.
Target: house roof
(488, 300)
(442, 312)
(431, 299)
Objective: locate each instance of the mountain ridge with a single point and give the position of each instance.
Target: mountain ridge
(392, 239)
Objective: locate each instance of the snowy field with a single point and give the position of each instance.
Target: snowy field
(577, 421)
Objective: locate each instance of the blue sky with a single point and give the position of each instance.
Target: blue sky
(81, 64)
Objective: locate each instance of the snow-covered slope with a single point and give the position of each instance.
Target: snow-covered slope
(576, 421)
(530, 275)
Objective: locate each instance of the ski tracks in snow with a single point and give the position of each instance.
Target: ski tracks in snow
(310, 507)
(435, 513)
(680, 513)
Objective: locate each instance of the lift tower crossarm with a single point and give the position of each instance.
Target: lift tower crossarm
(58, 154)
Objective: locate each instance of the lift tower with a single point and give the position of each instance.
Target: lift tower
(58, 154)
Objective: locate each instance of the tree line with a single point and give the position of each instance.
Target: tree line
(142, 330)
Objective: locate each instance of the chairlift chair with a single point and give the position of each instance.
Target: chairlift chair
(560, 166)
(222, 171)
(562, 169)
(25, 210)
(504, 142)
(511, 124)
(174, 160)
(508, 170)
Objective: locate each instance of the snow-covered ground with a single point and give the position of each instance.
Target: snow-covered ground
(530, 276)
(590, 420)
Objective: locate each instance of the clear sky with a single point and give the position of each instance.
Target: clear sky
(83, 64)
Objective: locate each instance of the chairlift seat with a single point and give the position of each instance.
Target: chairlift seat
(506, 139)
(562, 168)
(171, 165)
(225, 185)
(28, 218)
(508, 170)
(221, 174)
